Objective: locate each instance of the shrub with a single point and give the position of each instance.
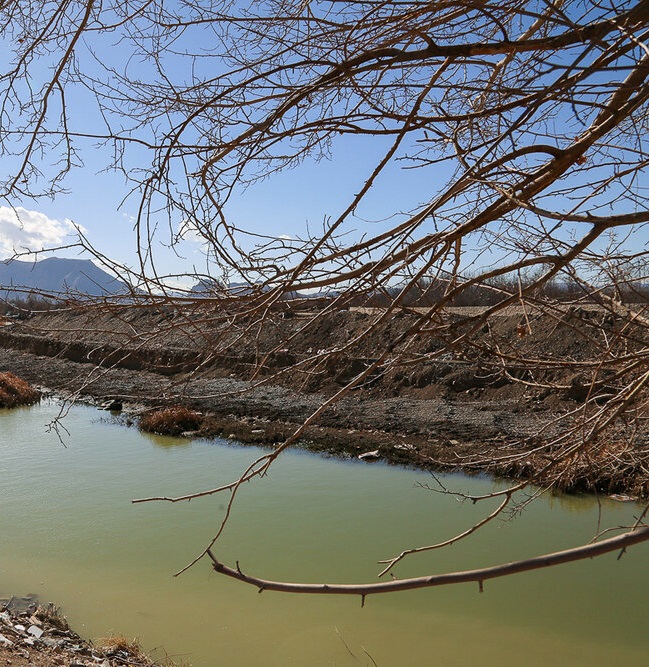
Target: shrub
(15, 391)
(170, 421)
(126, 651)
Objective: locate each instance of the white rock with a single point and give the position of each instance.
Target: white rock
(35, 630)
(52, 643)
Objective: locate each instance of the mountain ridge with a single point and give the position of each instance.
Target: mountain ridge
(56, 277)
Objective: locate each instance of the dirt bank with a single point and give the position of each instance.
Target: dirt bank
(456, 410)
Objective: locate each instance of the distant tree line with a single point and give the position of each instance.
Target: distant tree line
(427, 292)
(24, 307)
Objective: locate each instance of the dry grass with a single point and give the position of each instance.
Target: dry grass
(126, 651)
(14, 391)
(611, 466)
(52, 616)
(171, 421)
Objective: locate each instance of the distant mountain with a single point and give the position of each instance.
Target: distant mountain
(74, 278)
(210, 287)
(206, 287)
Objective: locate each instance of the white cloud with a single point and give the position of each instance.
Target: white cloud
(21, 229)
(188, 231)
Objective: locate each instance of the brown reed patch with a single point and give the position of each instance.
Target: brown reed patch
(171, 421)
(15, 391)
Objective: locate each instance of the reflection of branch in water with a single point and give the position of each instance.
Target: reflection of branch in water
(56, 426)
(344, 643)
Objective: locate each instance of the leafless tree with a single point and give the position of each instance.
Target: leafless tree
(527, 118)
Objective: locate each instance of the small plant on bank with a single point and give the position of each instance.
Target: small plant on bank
(14, 391)
(52, 616)
(171, 421)
(127, 650)
(130, 652)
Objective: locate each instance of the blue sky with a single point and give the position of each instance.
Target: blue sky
(285, 204)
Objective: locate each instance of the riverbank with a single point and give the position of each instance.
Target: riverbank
(434, 433)
(32, 635)
(453, 413)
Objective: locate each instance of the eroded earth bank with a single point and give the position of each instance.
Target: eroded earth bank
(499, 403)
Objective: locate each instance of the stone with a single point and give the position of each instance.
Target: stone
(370, 456)
(35, 631)
(52, 643)
(623, 498)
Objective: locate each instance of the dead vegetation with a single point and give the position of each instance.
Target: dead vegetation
(14, 391)
(171, 421)
(126, 651)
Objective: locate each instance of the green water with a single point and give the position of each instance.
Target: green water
(69, 533)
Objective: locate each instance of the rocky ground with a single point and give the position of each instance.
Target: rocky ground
(36, 636)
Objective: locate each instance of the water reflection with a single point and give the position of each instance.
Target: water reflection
(165, 441)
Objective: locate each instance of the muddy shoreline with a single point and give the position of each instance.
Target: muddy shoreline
(433, 433)
(457, 411)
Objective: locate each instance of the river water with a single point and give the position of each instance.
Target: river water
(69, 533)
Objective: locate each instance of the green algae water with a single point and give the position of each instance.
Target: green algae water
(69, 533)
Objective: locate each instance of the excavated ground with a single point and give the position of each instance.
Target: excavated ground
(476, 395)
